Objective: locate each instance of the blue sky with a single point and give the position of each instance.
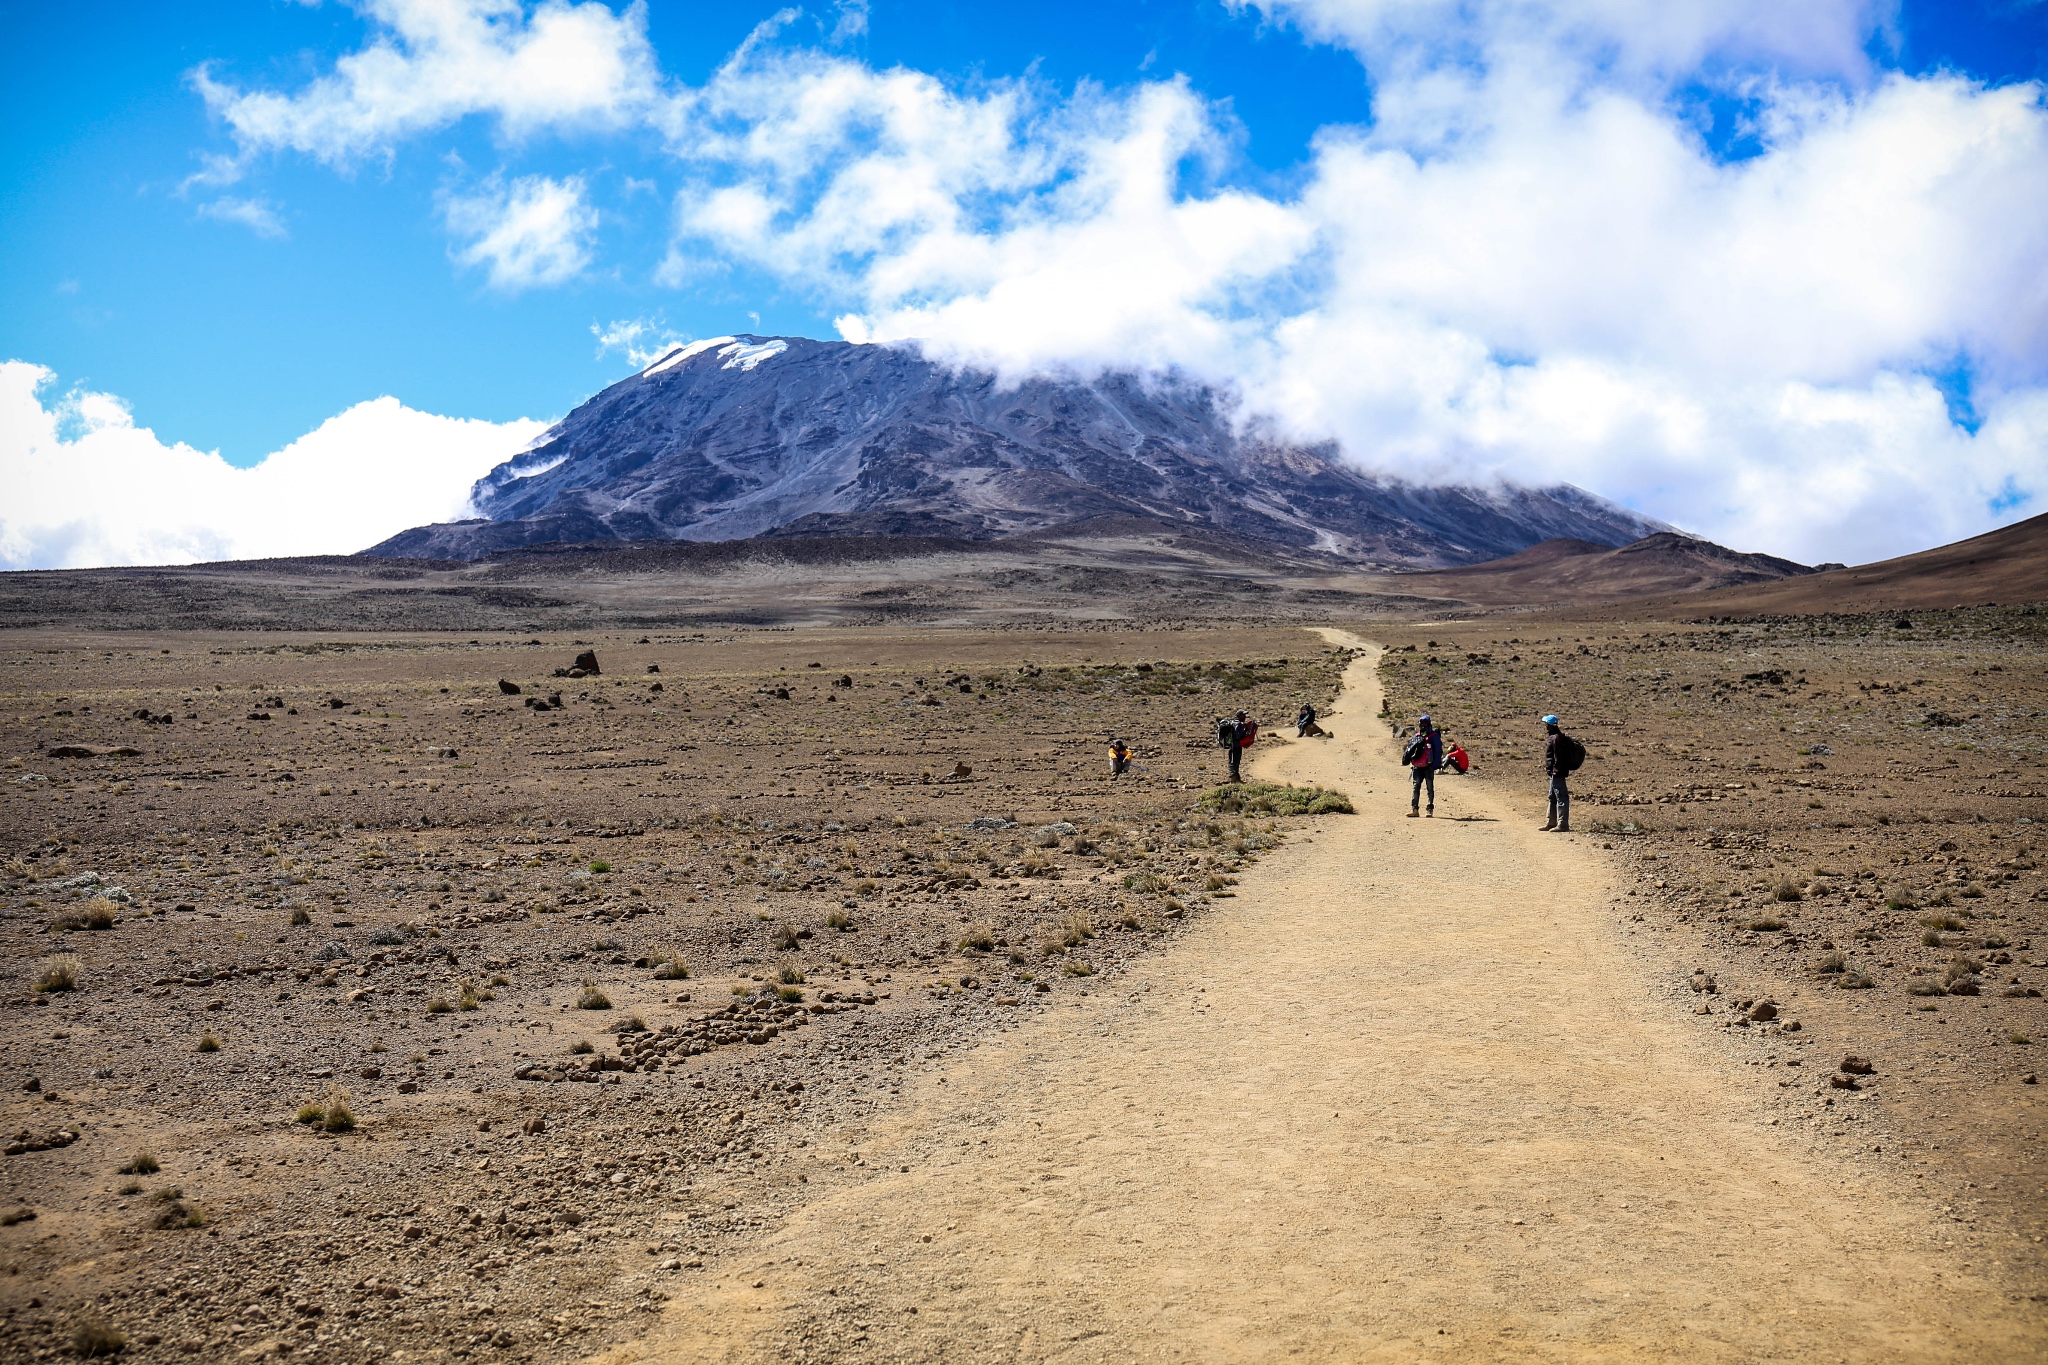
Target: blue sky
(235, 283)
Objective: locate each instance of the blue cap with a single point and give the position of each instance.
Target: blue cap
(1550, 720)
(1425, 718)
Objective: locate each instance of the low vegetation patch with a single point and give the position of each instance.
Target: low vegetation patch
(1273, 798)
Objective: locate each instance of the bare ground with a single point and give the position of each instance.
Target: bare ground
(1412, 1096)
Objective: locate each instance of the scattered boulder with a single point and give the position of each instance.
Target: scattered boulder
(1762, 1012)
(1858, 1066)
(510, 689)
(1704, 984)
(586, 662)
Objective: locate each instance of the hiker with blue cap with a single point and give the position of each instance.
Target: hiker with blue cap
(1562, 756)
(1424, 754)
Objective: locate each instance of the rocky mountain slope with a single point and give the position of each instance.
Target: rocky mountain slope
(1564, 572)
(742, 437)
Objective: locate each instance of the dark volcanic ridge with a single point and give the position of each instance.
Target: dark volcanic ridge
(748, 437)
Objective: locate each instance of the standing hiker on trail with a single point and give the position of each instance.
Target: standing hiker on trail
(1235, 736)
(1424, 754)
(1562, 756)
(1119, 758)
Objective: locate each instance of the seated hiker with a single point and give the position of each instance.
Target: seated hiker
(1119, 758)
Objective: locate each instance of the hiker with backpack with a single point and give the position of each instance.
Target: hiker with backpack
(1305, 721)
(1235, 736)
(1562, 756)
(1424, 755)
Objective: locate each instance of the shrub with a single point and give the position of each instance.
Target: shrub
(789, 994)
(1833, 962)
(1931, 939)
(143, 1162)
(207, 1043)
(60, 973)
(1077, 967)
(786, 937)
(581, 1048)
(1924, 985)
(311, 1113)
(471, 998)
(1786, 892)
(299, 916)
(1273, 798)
(791, 975)
(1076, 930)
(93, 1338)
(672, 968)
(340, 1118)
(1948, 922)
(592, 998)
(600, 866)
(1767, 925)
(839, 920)
(100, 914)
(1855, 981)
(1902, 899)
(1145, 883)
(129, 1187)
(632, 1023)
(978, 937)
(438, 1006)
(1035, 864)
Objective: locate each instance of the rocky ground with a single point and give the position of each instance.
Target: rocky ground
(364, 1007)
(1835, 825)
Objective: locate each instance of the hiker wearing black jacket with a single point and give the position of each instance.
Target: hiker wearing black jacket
(1424, 755)
(1241, 731)
(1555, 748)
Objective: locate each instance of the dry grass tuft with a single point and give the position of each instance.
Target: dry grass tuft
(1273, 798)
(60, 973)
(592, 998)
(207, 1043)
(93, 1338)
(978, 937)
(143, 1162)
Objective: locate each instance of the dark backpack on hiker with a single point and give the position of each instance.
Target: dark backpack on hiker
(1226, 733)
(1416, 747)
(1571, 755)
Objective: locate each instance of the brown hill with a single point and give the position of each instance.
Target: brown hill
(1571, 572)
(2000, 568)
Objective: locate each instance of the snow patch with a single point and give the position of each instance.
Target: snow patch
(747, 357)
(682, 353)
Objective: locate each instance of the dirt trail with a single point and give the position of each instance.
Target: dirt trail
(1406, 1096)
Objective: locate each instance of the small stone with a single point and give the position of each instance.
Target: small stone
(1762, 1012)
(1858, 1066)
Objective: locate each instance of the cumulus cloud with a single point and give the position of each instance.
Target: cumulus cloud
(434, 62)
(641, 340)
(534, 231)
(257, 215)
(86, 487)
(1529, 264)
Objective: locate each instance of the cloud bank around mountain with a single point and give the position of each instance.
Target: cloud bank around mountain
(1707, 257)
(86, 487)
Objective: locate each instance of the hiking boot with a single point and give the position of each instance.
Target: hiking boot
(1412, 812)
(1551, 826)
(1432, 812)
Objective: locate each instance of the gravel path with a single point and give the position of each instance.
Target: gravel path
(1407, 1096)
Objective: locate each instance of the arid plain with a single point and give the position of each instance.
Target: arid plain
(851, 905)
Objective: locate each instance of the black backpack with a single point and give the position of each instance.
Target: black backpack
(1571, 755)
(1226, 733)
(1413, 749)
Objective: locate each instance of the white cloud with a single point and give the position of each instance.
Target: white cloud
(534, 231)
(641, 340)
(434, 62)
(257, 215)
(87, 487)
